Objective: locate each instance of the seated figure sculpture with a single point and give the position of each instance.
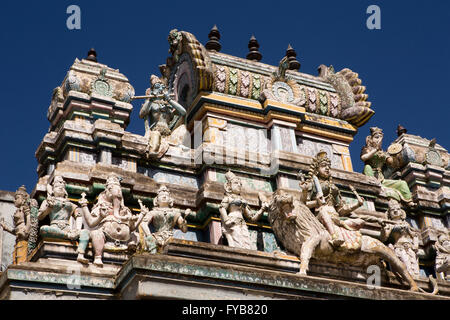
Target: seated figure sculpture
(301, 232)
(59, 208)
(164, 217)
(402, 238)
(232, 211)
(375, 159)
(323, 196)
(112, 220)
(161, 115)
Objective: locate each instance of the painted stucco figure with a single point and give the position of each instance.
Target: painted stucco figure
(375, 160)
(161, 115)
(164, 218)
(233, 209)
(442, 247)
(112, 220)
(22, 219)
(59, 208)
(402, 238)
(301, 232)
(323, 196)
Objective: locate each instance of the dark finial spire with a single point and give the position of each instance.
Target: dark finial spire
(92, 55)
(253, 46)
(213, 42)
(401, 130)
(291, 55)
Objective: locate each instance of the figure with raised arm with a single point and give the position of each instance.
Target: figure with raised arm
(59, 208)
(161, 115)
(112, 220)
(323, 196)
(233, 209)
(164, 218)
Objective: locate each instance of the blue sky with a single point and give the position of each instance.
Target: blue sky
(405, 65)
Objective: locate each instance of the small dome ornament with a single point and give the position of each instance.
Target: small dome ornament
(254, 53)
(401, 130)
(291, 58)
(92, 55)
(213, 43)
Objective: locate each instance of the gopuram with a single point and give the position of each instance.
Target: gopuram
(242, 187)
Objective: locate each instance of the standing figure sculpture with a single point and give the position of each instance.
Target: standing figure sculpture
(375, 159)
(59, 208)
(233, 209)
(402, 237)
(301, 232)
(22, 224)
(164, 217)
(442, 247)
(324, 197)
(112, 220)
(161, 114)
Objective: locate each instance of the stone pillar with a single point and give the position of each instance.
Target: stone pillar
(283, 138)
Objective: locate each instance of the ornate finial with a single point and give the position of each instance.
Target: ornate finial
(92, 55)
(432, 143)
(291, 55)
(213, 42)
(401, 130)
(253, 46)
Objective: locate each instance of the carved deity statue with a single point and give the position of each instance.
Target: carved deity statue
(233, 209)
(402, 238)
(324, 197)
(22, 224)
(442, 247)
(375, 159)
(59, 208)
(161, 114)
(164, 218)
(301, 232)
(112, 220)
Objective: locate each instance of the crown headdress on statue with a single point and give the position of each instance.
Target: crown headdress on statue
(374, 130)
(154, 79)
(59, 181)
(113, 179)
(230, 176)
(22, 191)
(163, 188)
(321, 157)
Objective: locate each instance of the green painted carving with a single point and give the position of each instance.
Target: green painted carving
(232, 87)
(323, 99)
(256, 88)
